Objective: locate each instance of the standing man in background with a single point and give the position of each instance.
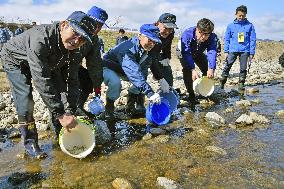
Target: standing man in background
(121, 37)
(239, 41)
(5, 35)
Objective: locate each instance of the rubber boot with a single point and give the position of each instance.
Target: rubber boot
(109, 109)
(241, 86)
(223, 80)
(30, 140)
(130, 106)
(140, 107)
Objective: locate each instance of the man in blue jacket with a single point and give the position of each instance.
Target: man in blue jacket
(130, 61)
(194, 41)
(239, 41)
(160, 67)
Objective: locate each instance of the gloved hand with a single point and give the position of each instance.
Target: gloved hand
(155, 98)
(98, 91)
(165, 87)
(165, 62)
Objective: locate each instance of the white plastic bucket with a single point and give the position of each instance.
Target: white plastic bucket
(80, 142)
(204, 86)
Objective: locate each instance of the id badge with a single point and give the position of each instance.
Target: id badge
(241, 37)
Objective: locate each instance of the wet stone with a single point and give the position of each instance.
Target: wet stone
(252, 90)
(216, 149)
(280, 113)
(167, 183)
(243, 103)
(245, 119)
(121, 183)
(157, 131)
(148, 136)
(14, 133)
(281, 100)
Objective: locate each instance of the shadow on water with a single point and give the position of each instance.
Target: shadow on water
(250, 157)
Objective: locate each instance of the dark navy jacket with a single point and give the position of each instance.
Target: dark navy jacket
(131, 60)
(190, 48)
(161, 52)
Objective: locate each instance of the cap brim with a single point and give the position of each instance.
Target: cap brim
(170, 25)
(99, 20)
(157, 40)
(79, 30)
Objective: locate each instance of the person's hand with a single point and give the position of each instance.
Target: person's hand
(67, 121)
(154, 79)
(165, 87)
(210, 73)
(226, 55)
(155, 98)
(194, 75)
(165, 62)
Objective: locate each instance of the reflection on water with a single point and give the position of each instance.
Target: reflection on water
(255, 154)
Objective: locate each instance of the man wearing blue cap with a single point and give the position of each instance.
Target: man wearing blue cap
(46, 54)
(130, 61)
(161, 69)
(92, 77)
(194, 41)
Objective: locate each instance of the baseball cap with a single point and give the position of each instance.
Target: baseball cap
(82, 24)
(98, 14)
(169, 20)
(151, 31)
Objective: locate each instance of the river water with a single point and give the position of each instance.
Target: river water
(252, 156)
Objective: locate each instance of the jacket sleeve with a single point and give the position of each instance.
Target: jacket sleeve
(252, 40)
(186, 50)
(73, 86)
(212, 52)
(166, 50)
(133, 72)
(227, 38)
(37, 57)
(156, 68)
(94, 65)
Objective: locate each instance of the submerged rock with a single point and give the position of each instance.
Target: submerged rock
(121, 183)
(216, 149)
(167, 183)
(280, 113)
(213, 116)
(252, 90)
(258, 118)
(245, 119)
(243, 103)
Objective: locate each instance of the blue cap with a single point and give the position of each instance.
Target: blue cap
(98, 14)
(151, 31)
(82, 24)
(169, 20)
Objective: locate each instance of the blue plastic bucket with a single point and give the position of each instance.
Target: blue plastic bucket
(96, 106)
(159, 113)
(172, 97)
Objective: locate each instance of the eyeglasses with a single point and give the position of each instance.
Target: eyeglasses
(205, 33)
(77, 35)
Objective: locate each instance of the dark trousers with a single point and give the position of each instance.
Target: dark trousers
(86, 86)
(168, 74)
(243, 57)
(201, 61)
